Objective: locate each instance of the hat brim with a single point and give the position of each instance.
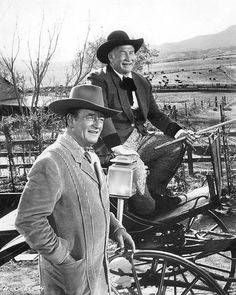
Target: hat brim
(63, 106)
(105, 48)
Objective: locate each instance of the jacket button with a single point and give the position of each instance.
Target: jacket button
(132, 125)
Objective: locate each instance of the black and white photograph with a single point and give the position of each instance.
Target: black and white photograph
(117, 147)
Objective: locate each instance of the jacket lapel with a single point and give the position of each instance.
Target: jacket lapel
(122, 95)
(140, 94)
(78, 156)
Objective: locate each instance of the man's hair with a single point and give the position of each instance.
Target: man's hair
(72, 112)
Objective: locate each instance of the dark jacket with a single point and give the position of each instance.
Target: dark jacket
(118, 129)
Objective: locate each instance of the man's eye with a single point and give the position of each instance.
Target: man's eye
(95, 118)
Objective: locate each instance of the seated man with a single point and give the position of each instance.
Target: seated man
(126, 134)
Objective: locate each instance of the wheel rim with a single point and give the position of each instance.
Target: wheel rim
(159, 273)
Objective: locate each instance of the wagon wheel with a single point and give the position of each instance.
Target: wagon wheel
(221, 264)
(159, 273)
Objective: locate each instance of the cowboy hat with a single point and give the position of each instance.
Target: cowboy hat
(82, 97)
(116, 38)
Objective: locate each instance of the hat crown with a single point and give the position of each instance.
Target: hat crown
(84, 96)
(118, 35)
(90, 93)
(115, 39)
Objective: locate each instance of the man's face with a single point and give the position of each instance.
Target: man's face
(122, 59)
(86, 127)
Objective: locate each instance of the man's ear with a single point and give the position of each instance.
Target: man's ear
(109, 56)
(70, 121)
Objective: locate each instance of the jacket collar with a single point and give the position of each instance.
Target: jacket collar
(77, 153)
(75, 149)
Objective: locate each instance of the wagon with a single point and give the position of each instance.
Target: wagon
(187, 250)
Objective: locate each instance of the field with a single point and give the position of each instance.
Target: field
(21, 278)
(208, 71)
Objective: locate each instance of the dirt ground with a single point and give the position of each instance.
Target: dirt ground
(19, 278)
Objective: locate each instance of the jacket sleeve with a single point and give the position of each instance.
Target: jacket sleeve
(159, 118)
(38, 200)
(114, 225)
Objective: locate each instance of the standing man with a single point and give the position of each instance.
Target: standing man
(64, 209)
(126, 133)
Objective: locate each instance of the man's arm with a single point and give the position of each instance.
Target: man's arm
(120, 235)
(159, 119)
(38, 200)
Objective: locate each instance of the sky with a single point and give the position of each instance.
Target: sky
(157, 21)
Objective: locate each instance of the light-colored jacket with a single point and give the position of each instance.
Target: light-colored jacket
(65, 208)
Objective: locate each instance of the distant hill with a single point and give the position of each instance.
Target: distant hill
(224, 39)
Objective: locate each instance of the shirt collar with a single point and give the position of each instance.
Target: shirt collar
(121, 76)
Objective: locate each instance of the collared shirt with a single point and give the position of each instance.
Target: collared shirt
(129, 75)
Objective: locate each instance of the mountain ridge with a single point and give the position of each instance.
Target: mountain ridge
(223, 39)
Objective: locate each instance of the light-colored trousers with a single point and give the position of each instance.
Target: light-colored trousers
(162, 165)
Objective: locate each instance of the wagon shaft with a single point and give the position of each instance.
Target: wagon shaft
(220, 245)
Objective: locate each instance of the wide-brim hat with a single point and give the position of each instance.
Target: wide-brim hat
(83, 97)
(116, 38)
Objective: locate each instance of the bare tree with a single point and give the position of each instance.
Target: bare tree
(39, 66)
(144, 57)
(84, 61)
(9, 71)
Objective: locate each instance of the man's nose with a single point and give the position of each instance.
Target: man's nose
(97, 122)
(128, 57)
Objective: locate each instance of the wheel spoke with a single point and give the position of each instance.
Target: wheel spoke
(162, 274)
(186, 281)
(135, 276)
(162, 279)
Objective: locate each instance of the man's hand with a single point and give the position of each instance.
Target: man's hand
(124, 240)
(68, 259)
(189, 135)
(120, 150)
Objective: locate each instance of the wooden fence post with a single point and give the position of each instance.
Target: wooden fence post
(190, 161)
(209, 102)
(186, 109)
(174, 113)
